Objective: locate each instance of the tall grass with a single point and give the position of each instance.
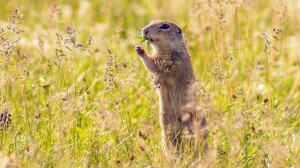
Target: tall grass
(73, 93)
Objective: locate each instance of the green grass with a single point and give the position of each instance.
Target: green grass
(78, 94)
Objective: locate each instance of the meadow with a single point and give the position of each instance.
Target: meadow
(73, 92)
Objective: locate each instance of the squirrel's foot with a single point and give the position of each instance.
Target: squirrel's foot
(140, 51)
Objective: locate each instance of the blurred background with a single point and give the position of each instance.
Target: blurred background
(74, 93)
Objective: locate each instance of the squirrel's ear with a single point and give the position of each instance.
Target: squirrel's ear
(179, 32)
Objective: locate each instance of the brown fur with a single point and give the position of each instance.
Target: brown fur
(175, 81)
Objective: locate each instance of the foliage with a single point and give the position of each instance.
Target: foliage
(73, 92)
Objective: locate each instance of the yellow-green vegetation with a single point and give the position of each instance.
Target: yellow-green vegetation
(73, 93)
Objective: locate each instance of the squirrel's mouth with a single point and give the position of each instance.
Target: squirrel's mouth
(151, 40)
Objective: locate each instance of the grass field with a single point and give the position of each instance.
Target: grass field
(73, 93)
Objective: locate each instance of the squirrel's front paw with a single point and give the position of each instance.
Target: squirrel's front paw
(139, 51)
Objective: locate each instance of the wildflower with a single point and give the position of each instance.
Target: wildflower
(5, 119)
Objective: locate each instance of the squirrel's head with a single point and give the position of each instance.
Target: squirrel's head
(163, 35)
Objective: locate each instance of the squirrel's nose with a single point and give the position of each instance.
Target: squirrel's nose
(145, 32)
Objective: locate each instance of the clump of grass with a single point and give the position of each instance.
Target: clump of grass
(9, 45)
(223, 149)
(111, 68)
(74, 103)
(143, 39)
(10, 37)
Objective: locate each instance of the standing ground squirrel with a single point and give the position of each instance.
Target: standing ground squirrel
(175, 81)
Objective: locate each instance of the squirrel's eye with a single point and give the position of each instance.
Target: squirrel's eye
(165, 26)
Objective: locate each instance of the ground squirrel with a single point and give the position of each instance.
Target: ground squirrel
(175, 81)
